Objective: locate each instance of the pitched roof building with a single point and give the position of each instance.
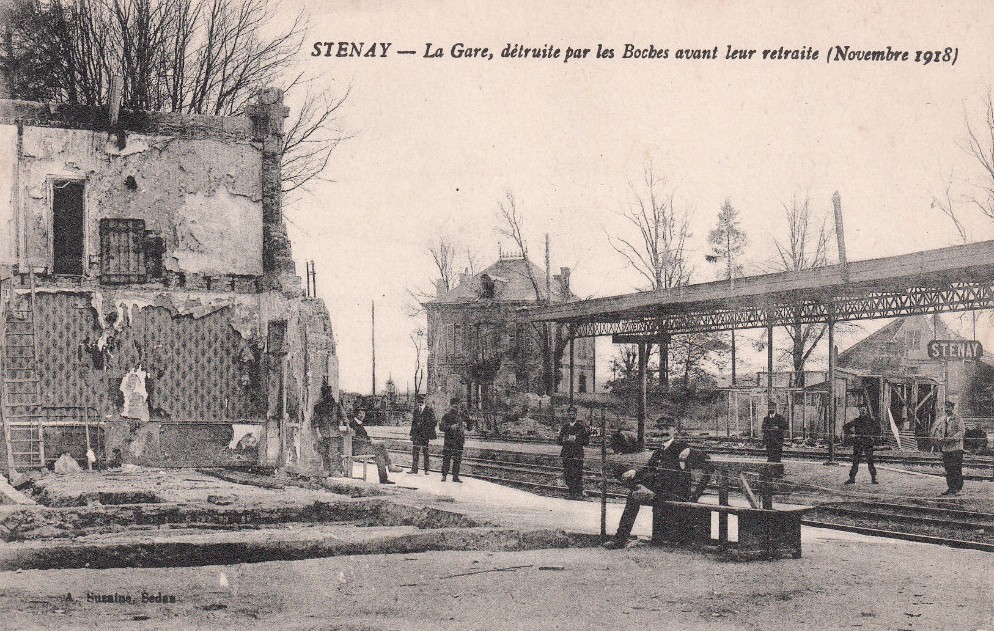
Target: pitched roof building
(476, 351)
(901, 349)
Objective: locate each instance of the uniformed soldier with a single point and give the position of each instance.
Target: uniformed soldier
(666, 476)
(865, 432)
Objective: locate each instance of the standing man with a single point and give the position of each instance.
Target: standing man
(667, 476)
(327, 417)
(454, 423)
(363, 445)
(947, 434)
(573, 436)
(422, 431)
(865, 431)
(774, 428)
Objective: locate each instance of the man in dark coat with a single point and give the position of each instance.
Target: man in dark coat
(422, 430)
(865, 431)
(573, 436)
(362, 445)
(327, 417)
(666, 476)
(454, 424)
(774, 429)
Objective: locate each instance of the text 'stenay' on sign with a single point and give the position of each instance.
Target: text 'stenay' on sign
(955, 349)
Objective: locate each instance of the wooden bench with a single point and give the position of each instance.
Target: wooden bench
(764, 532)
(365, 459)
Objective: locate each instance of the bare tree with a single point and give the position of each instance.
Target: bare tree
(194, 56)
(418, 339)
(806, 247)
(510, 224)
(976, 192)
(442, 251)
(947, 205)
(312, 136)
(625, 363)
(443, 254)
(657, 251)
(981, 148)
(552, 340)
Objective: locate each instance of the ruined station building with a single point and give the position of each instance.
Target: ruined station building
(478, 353)
(151, 312)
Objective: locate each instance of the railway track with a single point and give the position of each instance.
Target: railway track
(982, 466)
(928, 524)
(912, 522)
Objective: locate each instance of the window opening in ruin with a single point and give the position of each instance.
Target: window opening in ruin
(582, 388)
(155, 250)
(122, 251)
(67, 227)
(276, 337)
(487, 288)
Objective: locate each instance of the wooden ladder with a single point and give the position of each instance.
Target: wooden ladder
(20, 396)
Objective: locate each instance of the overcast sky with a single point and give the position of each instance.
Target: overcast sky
(438, 141)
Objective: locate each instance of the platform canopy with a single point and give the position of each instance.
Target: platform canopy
(957, 278)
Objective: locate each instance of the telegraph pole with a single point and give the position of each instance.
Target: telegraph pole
(373, 340)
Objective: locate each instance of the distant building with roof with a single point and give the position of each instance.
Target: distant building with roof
(901, 349)
(478, 353)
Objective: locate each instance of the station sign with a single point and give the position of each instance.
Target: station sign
(955, 349)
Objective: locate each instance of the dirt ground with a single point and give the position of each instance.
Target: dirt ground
(842, 583)
(898, 483)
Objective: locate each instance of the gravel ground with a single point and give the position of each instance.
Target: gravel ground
(842, 583)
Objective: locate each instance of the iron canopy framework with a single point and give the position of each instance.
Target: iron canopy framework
(957, 278)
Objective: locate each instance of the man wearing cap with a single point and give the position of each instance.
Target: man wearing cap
(454, 424)
(947, 434)
(666, 476)
(362, 445)
(422, 431)
(573, 437)
(774, 428)
(865, 432)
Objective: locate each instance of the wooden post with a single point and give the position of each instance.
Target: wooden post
(736, 411)
(603, 476)
(766, 490)
(769, 364)
(664, 360)
(752, 417)
(572, 365)
(840, 235)
(722, 516)
(733, 357)
(804, 414)
(728, 414)
(372, 328)
(831, 392)
(790, 414)
(643, 361)
(86, 425)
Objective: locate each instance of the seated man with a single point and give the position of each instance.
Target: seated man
(625, 443)
(666, 476)
(363, 445)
